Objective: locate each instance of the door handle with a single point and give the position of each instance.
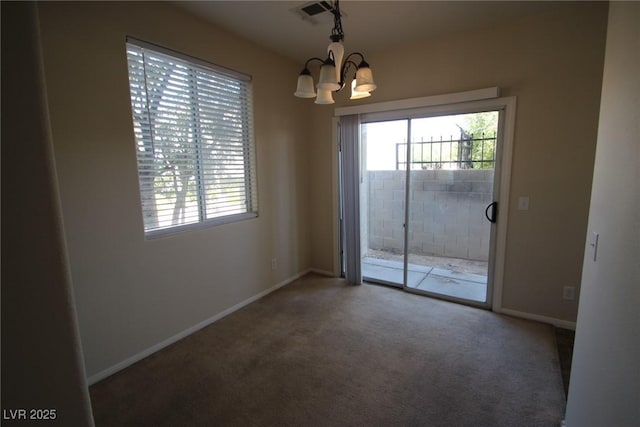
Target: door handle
(494, 212)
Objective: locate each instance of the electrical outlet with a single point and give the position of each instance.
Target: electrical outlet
(569, 293)
(274, 264)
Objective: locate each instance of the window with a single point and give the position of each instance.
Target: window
(194, 140)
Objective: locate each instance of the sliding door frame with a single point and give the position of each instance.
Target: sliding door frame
(458, 103)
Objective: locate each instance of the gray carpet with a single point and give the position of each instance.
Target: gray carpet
(321, 353)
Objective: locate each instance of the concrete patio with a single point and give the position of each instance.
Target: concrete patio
(435, 280)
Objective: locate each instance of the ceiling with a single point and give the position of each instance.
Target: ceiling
(368, 25)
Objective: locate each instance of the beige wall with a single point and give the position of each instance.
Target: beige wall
(323, 214)
(553, 64)
(605, 373)
(133, 294)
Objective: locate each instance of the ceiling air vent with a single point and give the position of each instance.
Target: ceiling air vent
(315, 12)
(316, 8)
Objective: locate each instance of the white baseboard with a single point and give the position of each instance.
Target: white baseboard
(565, 324)
(148, 352)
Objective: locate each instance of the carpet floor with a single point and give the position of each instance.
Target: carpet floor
(318, 352)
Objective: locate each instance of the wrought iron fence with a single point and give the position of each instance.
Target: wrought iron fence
(466, 152)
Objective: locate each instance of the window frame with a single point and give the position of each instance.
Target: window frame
(249, 170)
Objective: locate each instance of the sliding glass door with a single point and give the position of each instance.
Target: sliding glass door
(383, 202)
(428, 204)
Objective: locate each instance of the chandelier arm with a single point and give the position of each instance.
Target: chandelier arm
(345, 69)
(354, 53)
(306, 64)
(331, 56)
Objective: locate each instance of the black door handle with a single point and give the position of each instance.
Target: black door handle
(494, 212)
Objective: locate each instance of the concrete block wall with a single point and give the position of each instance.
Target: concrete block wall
(446, 212)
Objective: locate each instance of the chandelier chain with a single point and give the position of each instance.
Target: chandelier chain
(336, 33)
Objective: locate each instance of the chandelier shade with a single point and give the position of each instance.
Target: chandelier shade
(327, 80)
(364, 78)
(357, 94)
(334, 70)
(305, 86)
(324, 97)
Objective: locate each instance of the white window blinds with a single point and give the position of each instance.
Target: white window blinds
(194, 140)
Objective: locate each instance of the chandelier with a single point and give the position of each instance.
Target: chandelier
(333, 70)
